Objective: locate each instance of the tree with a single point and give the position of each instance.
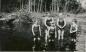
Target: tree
(0, 5)
(29, 5)
(34, 5)
(72, 6)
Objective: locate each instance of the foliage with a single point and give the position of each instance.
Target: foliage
(63, 5)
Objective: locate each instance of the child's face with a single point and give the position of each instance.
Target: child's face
(36, 22)
(52, 23)
(60, 19)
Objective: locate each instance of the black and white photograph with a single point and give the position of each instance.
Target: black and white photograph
(43, 25)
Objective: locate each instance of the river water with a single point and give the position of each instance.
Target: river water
(14, 40)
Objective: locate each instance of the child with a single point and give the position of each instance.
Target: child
(61, 23)
(73, 31)
(36, 30)
(52, 35)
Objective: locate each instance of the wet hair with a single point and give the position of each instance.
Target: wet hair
(61, 19)
(48, 21)
(61, 22)
(36, 21)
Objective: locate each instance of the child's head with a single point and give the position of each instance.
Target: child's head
(74, 20)
(61, 19)
(37, 21)
(52, 22)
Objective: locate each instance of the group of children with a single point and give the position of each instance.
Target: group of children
(54, 32)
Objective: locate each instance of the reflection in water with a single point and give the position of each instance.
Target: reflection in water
(11, 39)
(17, 37)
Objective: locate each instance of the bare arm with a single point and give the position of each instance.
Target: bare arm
(46, 36)
(70, 29)
(40, 29)
(33, 30)
(59, 25)
(76, 28)
(64, 23)
(55, 32)
(45, 22)
(48, 32)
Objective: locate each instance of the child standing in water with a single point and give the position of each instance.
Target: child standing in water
(36, 30)
(73, 31)
(52, 35)
(61, 23)
(47, 24)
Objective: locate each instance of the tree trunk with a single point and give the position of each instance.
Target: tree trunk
(55, 5)
(52, 6)
(34, 6)
(65, 8)
(41, 6)
(0, 5)
(29, 5)
(45, 7)
(38, 6)
(22, 4)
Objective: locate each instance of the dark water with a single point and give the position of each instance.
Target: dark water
(17, 39)
(13, 40)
